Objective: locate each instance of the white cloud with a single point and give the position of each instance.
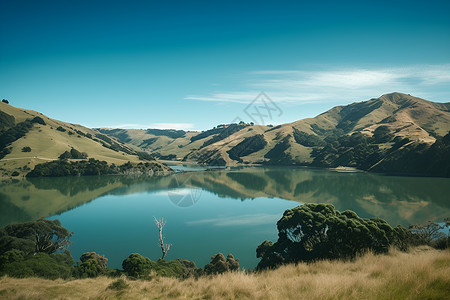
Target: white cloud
(299, 86)
(254, 219)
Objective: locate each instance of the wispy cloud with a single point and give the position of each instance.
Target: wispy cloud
(299, 86)
(253, 219)
(177, 126)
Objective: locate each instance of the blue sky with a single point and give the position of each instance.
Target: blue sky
(195, 64)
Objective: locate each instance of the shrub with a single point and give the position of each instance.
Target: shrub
(50, 266)
(317, 231)
(220, 265)
(60, 128)
(26, 149)
(90, 265)
(138, 266)
(15, 173)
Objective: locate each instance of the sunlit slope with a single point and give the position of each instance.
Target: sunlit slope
(401, 115)
(49, 138)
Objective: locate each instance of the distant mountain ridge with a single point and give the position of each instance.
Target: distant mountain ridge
(363, 135)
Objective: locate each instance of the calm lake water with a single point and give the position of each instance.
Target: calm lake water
(228, 211)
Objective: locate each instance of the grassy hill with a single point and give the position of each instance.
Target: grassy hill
(421, 274)
(359, 135)
(29, 138)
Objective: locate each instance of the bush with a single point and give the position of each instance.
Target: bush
(138, 266)
(220, 265)
(317, 231)
(15, 173)
(90, 265)
(26, 149)
(50, 266)
(60, 128)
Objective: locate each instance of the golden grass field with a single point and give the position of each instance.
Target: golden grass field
(423, 273)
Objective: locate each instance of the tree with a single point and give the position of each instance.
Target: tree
(5, 101)
(220, 265)
(26, 149)
(33, 237)
(427, 233)
(317, 231)
(91, 265)
(164, 247)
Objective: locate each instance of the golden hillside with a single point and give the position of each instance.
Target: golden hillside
(401, 115)
(47, 139)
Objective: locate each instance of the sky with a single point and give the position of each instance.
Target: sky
(192, 65)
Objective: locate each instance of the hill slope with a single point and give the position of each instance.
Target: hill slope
(29, 138)
(358, 135)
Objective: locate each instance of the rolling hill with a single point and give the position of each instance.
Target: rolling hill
(370, 135)
(29, 138)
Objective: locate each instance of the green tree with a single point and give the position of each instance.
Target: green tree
(317, 231)
(90, 265)
(33, 237)
(220, 265)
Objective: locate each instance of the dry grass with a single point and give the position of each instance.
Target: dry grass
(421, 274)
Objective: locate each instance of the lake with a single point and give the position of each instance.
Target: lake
(230, 211)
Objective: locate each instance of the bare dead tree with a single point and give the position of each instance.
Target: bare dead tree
(164, 247)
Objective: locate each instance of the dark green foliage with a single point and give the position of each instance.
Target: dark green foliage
(11, 256)
(148, 141)
(60, 128)
(5, 101)
(352, 113)
(308, 140)
(113, 145)
(172, 133)
(90, 265)
(248, 146)
(90, 167)
(418, 158)
(166, 157)
(29, 249)
(249, 180)
(51, 266)
(73, 154)
(278, 155)
(224, 133)
(120, 134)
(15, 173)
(32, 237)
(144, 156)
(38, 120)
(13, 134)
(382, 135)
(6, 121)
(138, 266)
(348, 150)
(219, 264)
(118, 285)
(317, 231)
(26, 149)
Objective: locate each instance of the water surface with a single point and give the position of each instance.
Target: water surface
(229, 211)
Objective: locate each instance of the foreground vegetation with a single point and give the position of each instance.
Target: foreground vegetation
(423, 273)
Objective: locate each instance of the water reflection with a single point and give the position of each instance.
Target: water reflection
(399, 200)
